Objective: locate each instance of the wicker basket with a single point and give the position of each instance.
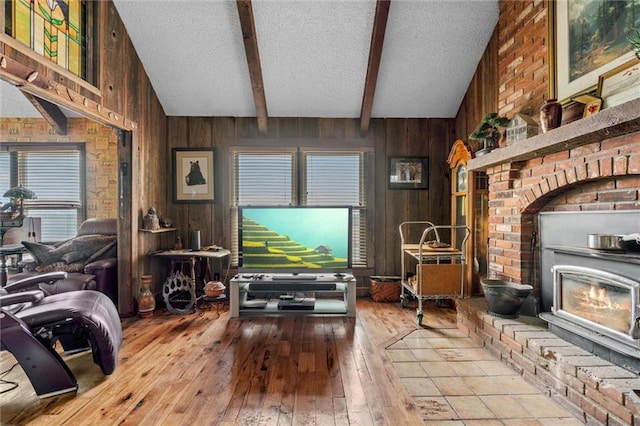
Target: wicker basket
(385, 290)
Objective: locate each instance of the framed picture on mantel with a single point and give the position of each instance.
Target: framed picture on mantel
(408, 173)
(588, 44)
(193, 175)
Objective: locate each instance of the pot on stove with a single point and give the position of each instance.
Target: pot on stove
(614, 242)
(605, 241)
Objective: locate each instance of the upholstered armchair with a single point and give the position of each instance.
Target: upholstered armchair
(89, 258)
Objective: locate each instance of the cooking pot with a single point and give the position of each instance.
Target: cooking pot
(605, 241)
(614, 242)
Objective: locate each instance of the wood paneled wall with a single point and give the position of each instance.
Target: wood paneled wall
(482, 95)
(125, 89)
(144, 156)
(389, 137)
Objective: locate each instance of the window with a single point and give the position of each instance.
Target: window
(56, 174)
(301, 176)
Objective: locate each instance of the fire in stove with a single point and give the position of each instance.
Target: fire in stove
(597, 305)
(596, 299)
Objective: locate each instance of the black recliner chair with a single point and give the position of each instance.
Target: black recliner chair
(31, 323)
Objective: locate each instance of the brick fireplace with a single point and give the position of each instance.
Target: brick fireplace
(592, 164)
(590, 167)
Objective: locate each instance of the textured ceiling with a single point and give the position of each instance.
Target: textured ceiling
(313, 54)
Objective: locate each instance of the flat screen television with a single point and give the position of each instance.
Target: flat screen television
(295, 239)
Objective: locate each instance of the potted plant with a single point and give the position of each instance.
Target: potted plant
(489, 132)
(14, 208)
(634, 39)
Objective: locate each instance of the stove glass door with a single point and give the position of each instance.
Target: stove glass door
(596, 297)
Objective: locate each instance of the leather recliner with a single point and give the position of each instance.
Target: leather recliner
(100, 274)
(31, 323)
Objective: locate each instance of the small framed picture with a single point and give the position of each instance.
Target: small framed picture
(408, 173)
(620, 84)
(193, 175)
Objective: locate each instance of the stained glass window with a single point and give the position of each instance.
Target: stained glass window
(56, 29)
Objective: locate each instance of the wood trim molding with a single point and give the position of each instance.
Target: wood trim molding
(29, 81)
(375, 54)
(247, 24)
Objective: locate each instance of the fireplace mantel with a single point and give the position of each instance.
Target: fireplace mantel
(608, 123)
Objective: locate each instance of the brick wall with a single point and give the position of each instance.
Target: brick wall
(522, 57)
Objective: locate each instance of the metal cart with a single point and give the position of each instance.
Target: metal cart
(439, 267)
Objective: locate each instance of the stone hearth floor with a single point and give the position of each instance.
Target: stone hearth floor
(453, 381)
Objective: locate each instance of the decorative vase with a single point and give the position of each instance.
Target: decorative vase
(146, 301)
(550, 115)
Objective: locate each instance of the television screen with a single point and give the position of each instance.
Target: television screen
(295, 239)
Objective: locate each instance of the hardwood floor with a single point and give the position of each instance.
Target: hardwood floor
(199, 369)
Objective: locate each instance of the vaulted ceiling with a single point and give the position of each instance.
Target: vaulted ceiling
(307, 58)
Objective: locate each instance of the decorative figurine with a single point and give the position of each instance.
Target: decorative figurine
(178, 244)
(151, 221)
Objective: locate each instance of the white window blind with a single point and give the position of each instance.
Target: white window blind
(264, 179)
(337, 178)
(56, 176)
(302, 178)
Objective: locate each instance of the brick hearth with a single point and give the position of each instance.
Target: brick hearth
(593, 389)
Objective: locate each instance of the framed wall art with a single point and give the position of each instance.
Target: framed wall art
(408, 173)
(193, 175)
(589, 41)
(621, 84)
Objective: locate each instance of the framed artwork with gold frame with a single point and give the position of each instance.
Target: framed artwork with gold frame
(578, 65)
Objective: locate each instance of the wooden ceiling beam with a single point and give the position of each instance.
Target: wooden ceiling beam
(50, 112)
(375, 54)
(247, 24)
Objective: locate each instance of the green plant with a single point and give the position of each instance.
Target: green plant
(489, 127)
(634, 39)
(20, 192)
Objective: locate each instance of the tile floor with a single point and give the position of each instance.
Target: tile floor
(456, 382)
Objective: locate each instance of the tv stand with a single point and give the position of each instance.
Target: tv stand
(268, 287)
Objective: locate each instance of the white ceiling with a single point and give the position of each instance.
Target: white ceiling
(313, 54)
